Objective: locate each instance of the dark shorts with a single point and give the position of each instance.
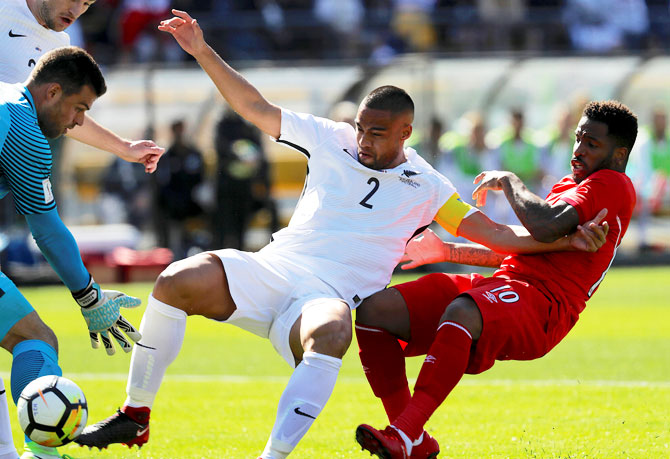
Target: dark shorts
(519, 321)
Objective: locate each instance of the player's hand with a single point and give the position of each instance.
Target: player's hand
(145, 152)
(186, 31)
(488, 180)
(423, 249)
(100, 309)
(591, 236)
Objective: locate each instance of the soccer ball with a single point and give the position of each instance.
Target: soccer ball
(52, 410)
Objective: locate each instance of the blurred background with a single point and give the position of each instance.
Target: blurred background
(498, 84)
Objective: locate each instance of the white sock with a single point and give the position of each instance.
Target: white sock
(162, 328)
(305, 395)
(7, 449)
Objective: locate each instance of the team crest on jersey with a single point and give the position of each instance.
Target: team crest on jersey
(405, 178)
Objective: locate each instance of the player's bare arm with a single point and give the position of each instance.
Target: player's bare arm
(545, 222)
(242, 96)
(428, 248)
(145, 152)
(501, 240)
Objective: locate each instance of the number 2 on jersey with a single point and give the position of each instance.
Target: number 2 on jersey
(375, 187)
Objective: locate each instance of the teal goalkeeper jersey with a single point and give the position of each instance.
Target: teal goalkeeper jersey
(25, 156)
(25, 170)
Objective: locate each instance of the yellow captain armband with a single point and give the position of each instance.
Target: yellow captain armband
(452, 213)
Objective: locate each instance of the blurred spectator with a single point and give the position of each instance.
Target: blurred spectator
(177, 178)
(242, 182)
(465, 156)
(556, 153)
(606, 25)
(385, 48)
(650, 172)
(344, 111)
(519, 153)
(344, 19)
(412, 21)
(428, 144)
(247, 29)
(126, 194)
(659, 24)
(139, 37)
(504, 23)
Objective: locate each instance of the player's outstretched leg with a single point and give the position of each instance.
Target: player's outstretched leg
(324, 332)
(196, 284)
(129, 426)
(162, 330)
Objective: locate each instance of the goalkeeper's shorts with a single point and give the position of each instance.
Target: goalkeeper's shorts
(13, 305)
(519, 321)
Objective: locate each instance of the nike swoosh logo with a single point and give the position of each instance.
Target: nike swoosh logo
(302, 413)
(142, 431)
(12, 34)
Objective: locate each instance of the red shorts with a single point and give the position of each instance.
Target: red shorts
(519, 322)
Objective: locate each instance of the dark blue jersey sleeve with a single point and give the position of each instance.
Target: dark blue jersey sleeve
(59, 248)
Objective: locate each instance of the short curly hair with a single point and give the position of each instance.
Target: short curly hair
(620, 120)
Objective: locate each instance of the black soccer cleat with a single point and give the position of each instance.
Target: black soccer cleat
(118, 428)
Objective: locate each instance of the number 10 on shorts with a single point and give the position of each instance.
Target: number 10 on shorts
(504, 294)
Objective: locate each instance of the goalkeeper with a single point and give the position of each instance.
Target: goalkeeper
(55, 98)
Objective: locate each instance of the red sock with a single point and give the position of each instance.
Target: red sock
(138, 414)
(443, 368)
(384, 365)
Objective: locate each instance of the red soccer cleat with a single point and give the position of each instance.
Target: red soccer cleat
(386, 444)
(429, 448)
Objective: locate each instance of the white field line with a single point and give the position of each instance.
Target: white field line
(361, 380)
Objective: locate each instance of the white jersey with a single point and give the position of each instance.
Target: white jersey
(23, 41)
(352, 223)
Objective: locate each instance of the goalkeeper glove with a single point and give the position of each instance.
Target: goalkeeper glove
(100, 309)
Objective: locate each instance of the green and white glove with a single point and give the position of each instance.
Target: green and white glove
(100, 309)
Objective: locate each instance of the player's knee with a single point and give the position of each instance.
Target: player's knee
(178, 283)
(197, 285)
(387, 310)
(331, 339)
(30, 327)
(464, 311)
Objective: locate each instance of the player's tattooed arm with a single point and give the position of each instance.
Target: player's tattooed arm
(546, 223)
(429, 248)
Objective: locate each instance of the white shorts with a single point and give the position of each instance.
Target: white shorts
(271, 293)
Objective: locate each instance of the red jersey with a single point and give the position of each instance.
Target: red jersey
(572, 277)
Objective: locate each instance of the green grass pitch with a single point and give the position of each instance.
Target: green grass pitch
(604, 392)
